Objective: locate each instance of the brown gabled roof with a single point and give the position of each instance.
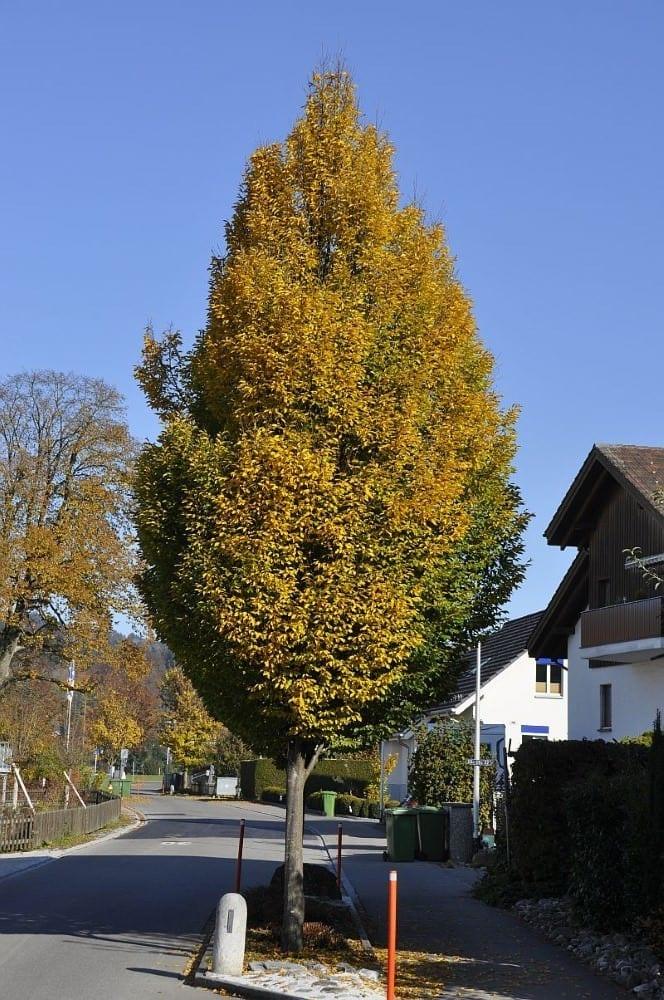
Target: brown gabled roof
(642, 467)
(638, 469)
(498, 651)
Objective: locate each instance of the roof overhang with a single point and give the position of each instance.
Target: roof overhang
(597, 478)
(550, 635)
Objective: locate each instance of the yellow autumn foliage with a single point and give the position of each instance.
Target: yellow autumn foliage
(323, 442)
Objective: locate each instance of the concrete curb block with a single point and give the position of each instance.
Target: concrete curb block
(237, 988)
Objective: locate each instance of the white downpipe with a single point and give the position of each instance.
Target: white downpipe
(476, 766)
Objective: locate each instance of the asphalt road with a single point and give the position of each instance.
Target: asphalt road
(121, 919)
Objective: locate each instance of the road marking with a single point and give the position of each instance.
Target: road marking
(176, 843)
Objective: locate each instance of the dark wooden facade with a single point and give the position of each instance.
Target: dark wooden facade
(618, 623)
(621, 524)
(613, 505)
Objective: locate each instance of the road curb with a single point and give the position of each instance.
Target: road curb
(349, 895)
(57, 854)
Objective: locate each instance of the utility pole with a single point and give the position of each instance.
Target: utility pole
(71, 677)
(476, 766)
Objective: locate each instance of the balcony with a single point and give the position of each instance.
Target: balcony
(624, 633)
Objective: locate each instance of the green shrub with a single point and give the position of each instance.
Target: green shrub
(273, 795)
(348, 805)
(315, 801)
(439, 770)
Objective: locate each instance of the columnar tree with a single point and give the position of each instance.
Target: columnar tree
(332, 479)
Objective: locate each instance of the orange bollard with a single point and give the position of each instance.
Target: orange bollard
(238, 865)
(339, 841)
(391, 935)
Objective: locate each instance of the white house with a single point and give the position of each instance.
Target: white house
(520, 699)
(606, 615)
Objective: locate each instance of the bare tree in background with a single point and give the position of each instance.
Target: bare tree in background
(66, 556)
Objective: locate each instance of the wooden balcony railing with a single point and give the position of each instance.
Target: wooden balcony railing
(622, 623)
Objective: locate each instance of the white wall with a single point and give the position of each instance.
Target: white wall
(508, 702)
(509, 699)
(397, 782)
(637, 691)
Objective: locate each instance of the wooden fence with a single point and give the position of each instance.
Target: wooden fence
(23, 831)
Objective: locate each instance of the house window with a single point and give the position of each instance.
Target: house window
(602, 593)
(548, 678)
(605, 711)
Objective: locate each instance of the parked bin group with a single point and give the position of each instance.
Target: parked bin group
(121, 786)
(421, 834)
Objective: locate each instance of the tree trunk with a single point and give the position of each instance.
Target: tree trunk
(293, 919)
(9, 647)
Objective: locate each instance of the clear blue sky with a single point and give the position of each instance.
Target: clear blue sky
(534, 130)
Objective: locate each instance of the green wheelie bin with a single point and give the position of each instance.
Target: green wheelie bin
(121, 786)
(401, 831)
(329, 799)
(432, 834)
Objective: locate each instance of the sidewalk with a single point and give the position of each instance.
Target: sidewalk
(488, 953)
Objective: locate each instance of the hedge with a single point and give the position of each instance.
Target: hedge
(342, 775)
(540, 835)
(361, 807)
(273, 795)
(257, 775)
(610, 877)
(314, 802)
(348, 805)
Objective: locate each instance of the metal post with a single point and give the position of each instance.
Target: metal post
(381, 789)
(340, 834)
(238, 865)
(391, 934)
(476, 766)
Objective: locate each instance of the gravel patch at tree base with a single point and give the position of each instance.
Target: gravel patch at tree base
(309, 980)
